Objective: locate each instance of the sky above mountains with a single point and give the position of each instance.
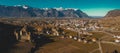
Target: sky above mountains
(91, 7)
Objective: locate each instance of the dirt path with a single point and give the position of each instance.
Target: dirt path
(94, 50)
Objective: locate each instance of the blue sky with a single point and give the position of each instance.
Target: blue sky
(91, 7)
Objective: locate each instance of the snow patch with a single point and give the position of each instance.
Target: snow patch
(25, 7)
(45, 8)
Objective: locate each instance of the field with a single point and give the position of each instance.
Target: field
(104, 39)
(67, 46)
(108, 48)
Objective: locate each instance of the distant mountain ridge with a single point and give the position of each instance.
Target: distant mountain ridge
(27, 11)
(113, 13)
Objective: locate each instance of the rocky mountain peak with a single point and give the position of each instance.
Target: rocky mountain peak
(113, 13)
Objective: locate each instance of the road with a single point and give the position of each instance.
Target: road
(101, 41)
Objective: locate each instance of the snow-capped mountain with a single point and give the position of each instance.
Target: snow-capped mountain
(27, 11)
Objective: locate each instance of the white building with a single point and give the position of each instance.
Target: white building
(117, 41)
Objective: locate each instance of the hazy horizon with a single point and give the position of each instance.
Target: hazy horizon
(90, 7)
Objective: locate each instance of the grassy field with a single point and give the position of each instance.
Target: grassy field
(64, 45)
(67, 46)
(99, 35)
(109, 48)
(21, 47)
(72, 46)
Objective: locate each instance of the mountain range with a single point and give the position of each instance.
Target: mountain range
(23, 11)
(27, 11)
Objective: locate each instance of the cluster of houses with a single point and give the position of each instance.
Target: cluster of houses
(117, 38)
(79, 26)
(22, 35)
(25, 34)
(79, 38)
